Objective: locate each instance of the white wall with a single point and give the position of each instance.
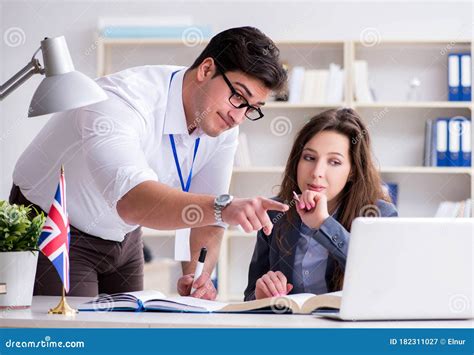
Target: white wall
(280, 20)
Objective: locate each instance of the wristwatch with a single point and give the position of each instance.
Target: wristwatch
(221, 202)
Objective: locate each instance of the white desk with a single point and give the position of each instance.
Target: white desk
(38, 317)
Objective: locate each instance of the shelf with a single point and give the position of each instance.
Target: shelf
(286, 105)
(384, 170)
(417, 104)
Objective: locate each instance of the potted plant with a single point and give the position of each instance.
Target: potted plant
(20, 228)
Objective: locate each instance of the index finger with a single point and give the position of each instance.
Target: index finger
(268, 204)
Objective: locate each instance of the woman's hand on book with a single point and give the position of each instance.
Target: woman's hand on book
(204, 287)
(272, 284)
(312, 208)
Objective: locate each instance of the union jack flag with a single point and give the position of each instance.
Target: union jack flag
(55, 235)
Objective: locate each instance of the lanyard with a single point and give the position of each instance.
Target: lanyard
(176, 160)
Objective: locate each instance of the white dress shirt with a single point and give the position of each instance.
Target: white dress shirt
(110, 147)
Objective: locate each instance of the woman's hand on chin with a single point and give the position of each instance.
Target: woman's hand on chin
(312, 208)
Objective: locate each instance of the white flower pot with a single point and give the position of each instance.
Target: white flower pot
(17, 270)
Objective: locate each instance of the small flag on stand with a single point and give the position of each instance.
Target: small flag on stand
(54, 242)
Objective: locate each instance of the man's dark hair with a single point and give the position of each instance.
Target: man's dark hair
(248, 50)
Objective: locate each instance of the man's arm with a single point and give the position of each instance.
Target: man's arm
(155, 205)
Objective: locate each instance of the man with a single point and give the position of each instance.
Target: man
(158, 153)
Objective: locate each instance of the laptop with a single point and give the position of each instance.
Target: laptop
(408, 268)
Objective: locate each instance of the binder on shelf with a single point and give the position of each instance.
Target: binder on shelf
(442, 142)
(466, 148)
(454, 141)
(454, 74)
(391, 189)
(466, 77)
(429, 154)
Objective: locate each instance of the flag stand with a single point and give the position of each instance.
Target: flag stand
(63, 307)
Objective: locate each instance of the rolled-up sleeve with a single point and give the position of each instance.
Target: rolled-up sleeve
(111, 133)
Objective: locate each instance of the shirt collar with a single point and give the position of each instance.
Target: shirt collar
(175, 118)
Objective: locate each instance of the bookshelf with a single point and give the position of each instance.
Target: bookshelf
(396, 126)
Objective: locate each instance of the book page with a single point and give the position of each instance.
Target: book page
(146, 295)
(299, 298)
(210, 306)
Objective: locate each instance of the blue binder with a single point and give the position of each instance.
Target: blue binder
(454, 141)
(454, 77)
(466, 147)
(465, 76)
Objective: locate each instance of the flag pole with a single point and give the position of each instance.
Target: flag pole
(63, 307)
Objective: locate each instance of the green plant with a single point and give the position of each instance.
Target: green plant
(19, 227)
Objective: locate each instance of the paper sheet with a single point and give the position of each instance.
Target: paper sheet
(182, 250)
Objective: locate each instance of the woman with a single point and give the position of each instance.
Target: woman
(330, 179)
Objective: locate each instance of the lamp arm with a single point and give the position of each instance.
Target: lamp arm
(33, 67)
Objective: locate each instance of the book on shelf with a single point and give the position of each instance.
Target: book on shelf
(155, 301)
(335, 86)
(362, 90)
(295, 84)
(316, 86)
(455, 209)
(448, 142)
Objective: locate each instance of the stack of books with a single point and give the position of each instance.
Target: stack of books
(459, 209)
(315, 86)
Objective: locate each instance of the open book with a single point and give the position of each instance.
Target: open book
(303, 303)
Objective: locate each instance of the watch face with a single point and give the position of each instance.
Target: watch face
(223, 199)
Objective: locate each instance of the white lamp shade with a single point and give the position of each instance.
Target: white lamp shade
(65, 92)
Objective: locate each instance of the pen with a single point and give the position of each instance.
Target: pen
(296, 196)
(199, 266)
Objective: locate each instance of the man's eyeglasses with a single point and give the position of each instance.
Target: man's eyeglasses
(238, 101)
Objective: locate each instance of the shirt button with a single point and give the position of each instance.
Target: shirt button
(340, 244)
(334, 239)
(306, 272)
